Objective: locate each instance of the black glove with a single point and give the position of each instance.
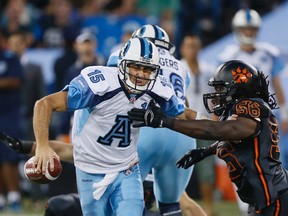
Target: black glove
(152, 117)
(191, 157)
(16, 144)
(196, 155)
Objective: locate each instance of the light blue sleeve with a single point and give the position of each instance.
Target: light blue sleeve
(278, 67)
(188, 80)
(113, 59)
(80, 95)
(173, 107)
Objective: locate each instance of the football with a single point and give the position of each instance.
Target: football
(32, 175)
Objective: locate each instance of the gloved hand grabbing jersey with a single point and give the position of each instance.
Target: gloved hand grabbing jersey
(152, 117)
(16, 144)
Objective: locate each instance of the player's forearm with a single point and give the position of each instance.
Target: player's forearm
(199, 129)
(64, 150)
(41, 121)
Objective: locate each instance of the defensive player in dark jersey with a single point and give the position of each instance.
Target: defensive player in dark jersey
(249, 144)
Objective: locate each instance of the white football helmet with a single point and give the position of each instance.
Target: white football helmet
(138, 51)
(245, 18)
(155, 34)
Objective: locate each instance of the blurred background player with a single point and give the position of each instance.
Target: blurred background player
(32, 90)
(11, 82)
(34, 87)
(266, 58)
(200, 74)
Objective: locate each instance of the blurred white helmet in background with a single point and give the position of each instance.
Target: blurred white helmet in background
(155, 34)
(246, 18)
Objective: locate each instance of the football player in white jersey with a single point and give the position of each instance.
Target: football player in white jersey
(265, 57)
(160, 149)
(105, 152)
(55, 205)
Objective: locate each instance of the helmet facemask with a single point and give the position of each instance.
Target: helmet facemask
(218, 101)
(243, 38)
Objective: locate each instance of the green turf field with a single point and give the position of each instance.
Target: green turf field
(221, 208)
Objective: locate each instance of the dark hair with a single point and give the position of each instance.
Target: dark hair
(259, 89)
(263, 91)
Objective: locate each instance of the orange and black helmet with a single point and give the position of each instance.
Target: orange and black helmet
(234, 80)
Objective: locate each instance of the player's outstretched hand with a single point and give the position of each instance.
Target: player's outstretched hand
(152, 117)
(16, 144)
(191, 157)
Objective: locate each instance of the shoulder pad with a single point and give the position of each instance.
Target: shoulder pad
(269, 48)
(100, 79)
(228, 53)
(163, 88)
(250, 108)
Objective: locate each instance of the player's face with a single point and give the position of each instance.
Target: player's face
(218, 97)
(139, 74)
(249, 31)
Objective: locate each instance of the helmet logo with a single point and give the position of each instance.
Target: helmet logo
(241, 76)
(146, 50)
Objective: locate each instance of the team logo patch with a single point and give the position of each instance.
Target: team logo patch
(128, 171)
(241, 76)
(148, 117)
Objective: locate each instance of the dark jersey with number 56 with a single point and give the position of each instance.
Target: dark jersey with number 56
(253, 163)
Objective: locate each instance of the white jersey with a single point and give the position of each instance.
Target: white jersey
(199, 85)
(265, 58)
(170, 68)
(103, 137)
(174, 71)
